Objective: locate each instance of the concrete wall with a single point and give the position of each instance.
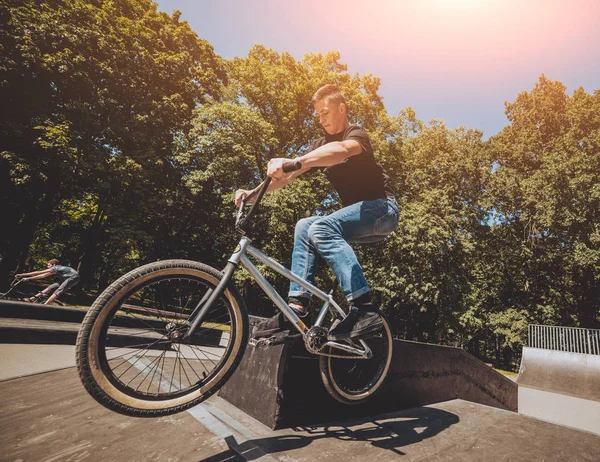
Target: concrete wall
(423, 374)
(560, 387)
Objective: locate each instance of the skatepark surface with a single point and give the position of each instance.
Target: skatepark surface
(48, 416)
(439, 404)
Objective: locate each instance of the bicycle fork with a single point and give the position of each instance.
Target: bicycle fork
(209, 299)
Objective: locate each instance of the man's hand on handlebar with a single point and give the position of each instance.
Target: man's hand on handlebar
(280, 172)
(241, 193)
(282, 169)
(275, 168)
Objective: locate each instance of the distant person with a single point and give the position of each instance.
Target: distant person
(65, 276)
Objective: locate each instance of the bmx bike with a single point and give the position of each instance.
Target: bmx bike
(16, 292)
(167, 335)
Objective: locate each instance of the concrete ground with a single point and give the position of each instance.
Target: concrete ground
(565, 410)
(17, 360)
(49, 417)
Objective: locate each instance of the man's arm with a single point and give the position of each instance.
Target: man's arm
(33, 273)
(40, 275)
(331, 154)
(325, 156)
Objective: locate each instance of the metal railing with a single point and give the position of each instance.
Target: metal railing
(572, 339)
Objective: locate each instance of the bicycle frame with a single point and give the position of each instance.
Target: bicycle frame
(240, 257)
(13, 285)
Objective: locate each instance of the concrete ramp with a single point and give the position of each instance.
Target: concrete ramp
(50, 417)
(560, 387)
(573, 374)
(281, 385)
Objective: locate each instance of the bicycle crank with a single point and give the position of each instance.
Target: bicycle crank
(316, 339)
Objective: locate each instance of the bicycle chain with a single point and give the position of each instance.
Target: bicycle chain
(340, 356)
(267, 342)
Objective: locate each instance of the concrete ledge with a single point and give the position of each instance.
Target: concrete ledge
(22, 322)
(24, 310)
(429, 374)
(281, 385)
(31, 331)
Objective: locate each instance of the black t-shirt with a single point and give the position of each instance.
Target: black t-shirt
(359, 177)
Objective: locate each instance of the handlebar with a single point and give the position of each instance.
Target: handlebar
(240, 224)
(291, 166)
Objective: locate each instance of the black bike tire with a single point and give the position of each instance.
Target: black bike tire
(89, 367)
(336, 391)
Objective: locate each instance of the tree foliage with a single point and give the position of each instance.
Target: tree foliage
(124, 138)
(99, 92)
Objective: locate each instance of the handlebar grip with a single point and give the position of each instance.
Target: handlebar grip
(291, 166)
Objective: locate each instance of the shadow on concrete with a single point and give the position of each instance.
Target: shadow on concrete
(389, 431)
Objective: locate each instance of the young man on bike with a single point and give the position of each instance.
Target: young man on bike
(66, 278)
(369, 213)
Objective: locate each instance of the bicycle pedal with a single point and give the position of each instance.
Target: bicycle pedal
(259, 342)
(273, 340)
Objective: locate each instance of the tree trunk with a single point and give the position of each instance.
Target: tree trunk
(84, 266)
(17, 253)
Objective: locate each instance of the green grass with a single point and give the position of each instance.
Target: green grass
(510, 374)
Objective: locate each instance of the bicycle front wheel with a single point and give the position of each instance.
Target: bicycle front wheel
(352, 380)
(131, 355)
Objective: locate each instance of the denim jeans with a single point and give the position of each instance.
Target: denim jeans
(65, 285)
(328, 236)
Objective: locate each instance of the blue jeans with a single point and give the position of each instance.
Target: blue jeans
(328, 236)
(65, 285)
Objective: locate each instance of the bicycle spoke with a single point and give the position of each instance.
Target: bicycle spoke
(152, 379)
(173, 373)
(163, 365)
(200, 361)
(160, 340)
(205, 353)
(141, 349)
(193, 370)
(151, 367)
(132, 365)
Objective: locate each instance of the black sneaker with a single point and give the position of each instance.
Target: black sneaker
(271, 326)
(274, 325)
(359, 323)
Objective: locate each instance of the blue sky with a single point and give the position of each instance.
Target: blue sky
(455, 60)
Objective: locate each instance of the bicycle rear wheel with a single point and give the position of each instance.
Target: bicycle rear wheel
(130, 353)
(351, 380)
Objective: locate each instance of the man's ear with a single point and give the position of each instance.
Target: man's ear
(343, 108)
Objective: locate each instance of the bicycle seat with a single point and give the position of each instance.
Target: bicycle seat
(369, 239)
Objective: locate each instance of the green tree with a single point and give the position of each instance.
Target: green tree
(546, 191)
(99, 92)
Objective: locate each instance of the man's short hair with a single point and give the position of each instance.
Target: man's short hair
(54, 261)
(331, 93)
